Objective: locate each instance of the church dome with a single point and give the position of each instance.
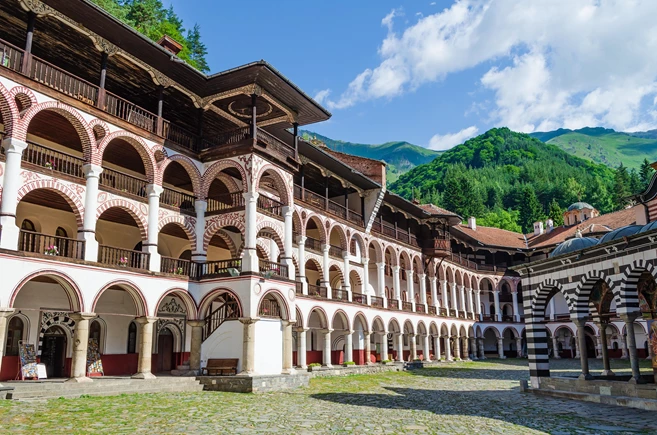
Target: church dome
(649, 227)
(580, 206)
(572, 245)
(621, 232)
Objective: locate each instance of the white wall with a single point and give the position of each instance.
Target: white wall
(225, 342)
(268, 347)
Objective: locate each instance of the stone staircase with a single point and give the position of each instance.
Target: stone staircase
(107, 386)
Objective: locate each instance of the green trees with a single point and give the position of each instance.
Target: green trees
(459, 194)
(555, 212)
(621, 187)
(531, 210)
(645, 173)
(152, 19)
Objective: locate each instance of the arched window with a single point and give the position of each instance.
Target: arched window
(28, 225)
(132, 338)
(94, 332)
(14, 335)
(61, 232)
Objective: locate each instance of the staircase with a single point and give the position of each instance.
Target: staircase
(106, 386)
(229, 310)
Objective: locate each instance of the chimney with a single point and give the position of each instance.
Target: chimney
(472, 223)
(538, 228)
(170, 44)
(550, 225)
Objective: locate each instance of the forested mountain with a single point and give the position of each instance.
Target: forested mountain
(603, 145)
(510, 180)
(400, 156)
(152, 19)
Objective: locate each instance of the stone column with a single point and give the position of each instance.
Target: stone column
(480, 347)
(629, 319)
(412, 339)
(301, 243)
(326, 354)
(606, 371)
(301, 348)
(583, 357)
(195, 346)
(500, 348)
(11, 183)
(519, 346)
(436, 346)
(200, 255)
(381, 281)
(598, 346)
(346, 285)
(5, 313)
(516, 313)
(555, 347)
(326, 282)
(455, 305)
(250, 261)
(153, 191)
(248, 346)
(80, 345)
(448, 351)
(423, 290)
(384, 346)
(400, 347)
(88, 233)
(433, 283)
(471, 302)
(410, 289)
(366, 278)
(426, 350)
(457, 348)
(478, 302)
(623, 347)
(145, 348)
(368, 347)
(288, 366)
(349, 346)
(466, 348)
(396, 285)
(576, 347)
(286, 255)
(462, 294)
(443, 289)
(496, 297)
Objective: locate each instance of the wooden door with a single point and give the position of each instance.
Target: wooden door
(165, 351)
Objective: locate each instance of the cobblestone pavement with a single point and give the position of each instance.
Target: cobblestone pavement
(455, 398)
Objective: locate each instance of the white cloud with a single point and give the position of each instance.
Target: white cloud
(551, 63)
(446, 141)
(322, 95)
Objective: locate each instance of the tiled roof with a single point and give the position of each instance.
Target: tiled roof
(493, 236)
(434, 209)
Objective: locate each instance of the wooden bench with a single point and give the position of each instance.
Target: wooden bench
(220, 367)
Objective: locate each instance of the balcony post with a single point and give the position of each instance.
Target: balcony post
(366, 279)
(286, 257)
(381, 282)
(80, 344)
(470, 301)
(250, 258)
(100, 102)
(434, 291)
(303, 183)
(325, 270)
(29, 36)
(326, 193)
(154, 191)
(462, 294)
(200, 255)
(160, 106)
(410, 288)
(496, 297)
(10, 230)
(396, 284)
(254, 115)
(301, 243)
(346, 286)
(88, 233)
(295, 127)
(516, 313)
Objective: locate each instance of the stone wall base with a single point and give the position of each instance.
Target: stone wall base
(254, 384)
(320, 372)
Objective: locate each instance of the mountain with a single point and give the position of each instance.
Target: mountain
(399, 156)
(494, 173)
(603, 145)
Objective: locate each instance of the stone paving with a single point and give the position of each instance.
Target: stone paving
(455, 398)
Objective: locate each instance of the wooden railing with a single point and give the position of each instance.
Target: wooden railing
(433, 310)
(407, 306)
(176, 266)
(337, 209)
(335, 251)
(276, 144)
(317, 291)
(358, 298)
(376, 301)
(55, 161)
(389, 231)
(116, 180)
(355, 218)
(123, 257)
(269, 308)
(442, 312)
(314, 199)
(182, 201)
(135, 115)
(31, 241)
(393, 304)
(225, 202)
(62, 81)
(339, 294)
(227, 138)
(452, 312)
(10, 56)
(276, 269)
(318, 201)
(227, 311)
(313, 244)
(269, 206)
(299, 288)
(219, 268)
(420, 308)
(181, 136)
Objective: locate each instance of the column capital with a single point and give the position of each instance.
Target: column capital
(301, 329)
(301, 240)
(579, 321)
(325, 331)
(325, 247)
(153, 190)
(287, 210)
(422, 275)
(345, 255)
(380, 264)
(364, 260)
(367, 333)
(82, 316)
(145, 320)
(396, 269)
(13, 145)
(248, 320)
(196, 323)
(433, 279)
(92, 171)
(629, 317)
(200, 205)
(6, 312)
(250, 196)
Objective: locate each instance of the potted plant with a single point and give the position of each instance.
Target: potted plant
(348, 363)
(386, 361)
(52, 250)
(123, 261)
(313, 366)
(49, 165)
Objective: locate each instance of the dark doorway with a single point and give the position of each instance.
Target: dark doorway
(53, 352)
(165, 351)
(590, 347)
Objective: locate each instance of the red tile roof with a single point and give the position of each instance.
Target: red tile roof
(493, 236)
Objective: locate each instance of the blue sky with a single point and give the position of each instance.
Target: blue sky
(437, 72)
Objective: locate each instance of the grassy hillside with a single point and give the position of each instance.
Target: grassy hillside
(400, 156)
(604, 146)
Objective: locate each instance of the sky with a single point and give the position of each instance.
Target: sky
(435, 73)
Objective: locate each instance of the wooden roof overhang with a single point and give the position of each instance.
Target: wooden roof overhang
(408, 208)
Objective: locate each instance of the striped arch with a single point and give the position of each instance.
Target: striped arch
(320, 227)
(187, 223)
(417, 265)
(541, 295)
(409, 327)
(138, 298)
(217, 222)
(378, 321)
(360, 241)
(23, 95)
(99, 128)
(340, 313)
(206, 302)
(61, 319)
(363, 320)
(359, 276)
(378, 250)
(211, 173)
(282, 302)
(581, 304)
(394, 260)
(628, 295)
(188, 165)
(297, 226)
(405, 260)
(129, 207)
(54, 185)
(341, 234)
(323, 317)
(73, 116)
(137, 143)
(275, 231)
(265, 248)
(282, 185)
(185, 297)
(316, 262)
(76, 301)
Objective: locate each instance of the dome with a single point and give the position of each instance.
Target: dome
(620, 233)
(580, 206)
(650, 227)
(572, 245)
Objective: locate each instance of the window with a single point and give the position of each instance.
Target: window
(132, 338)
(61, 232)
(14, 335)
(28, 225)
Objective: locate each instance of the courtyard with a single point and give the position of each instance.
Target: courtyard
(465, 397)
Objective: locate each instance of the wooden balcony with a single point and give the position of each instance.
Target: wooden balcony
(270, 206)
(397, 234)
(438, 247)
(217, 269)
(433, 310)
(176, 266)
(123, 257)
(272, 268)
(324, 204)
(54, 246)
(339, 295)
(317, 291)
(335, 251)
(116, 181)
(376, 301)
(45, 160)
(313, 245)
(358, 298)
(225, 203)
(407, 306)
(178, 200)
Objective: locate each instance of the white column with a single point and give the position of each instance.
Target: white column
(88, 233)
(412, 340)
(153, 191)
(384, 346)
(444, 292)
(454, 299)
(426, 351)
(346, 285)
(381, 282)
(366, 278)
(410, 288)
(349, 346)
(462, 293)
(396, 284)
(555, 347)
(478, 301)
(519, 346)
(325, 269)
(500, 347)
(496, 296)
(623, 347)
(286, 257)
(434, 290)
(250, 259)
(423, 289)
(400, 347)
(516, 313)
(457, 348)
(10, 185)
(288, 367)
(326, 354)
(145, 348)
(200, 255)
(248, 345)
(470, 301)
(448, 351)
(80, 344)
(437, 347)
(301, 243)
(301, 348)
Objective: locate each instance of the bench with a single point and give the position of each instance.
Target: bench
(219, 367)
